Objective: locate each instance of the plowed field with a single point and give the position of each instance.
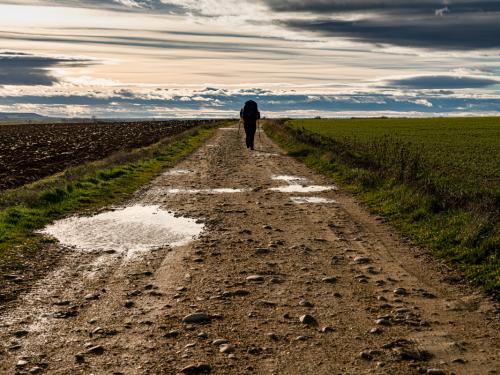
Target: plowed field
(29, 152)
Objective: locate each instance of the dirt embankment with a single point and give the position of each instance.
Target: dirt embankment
(289, 277)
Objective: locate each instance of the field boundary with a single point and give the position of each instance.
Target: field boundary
(409, 210)
(25, 256)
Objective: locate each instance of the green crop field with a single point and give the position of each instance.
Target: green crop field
(437, 180)
(461, 154)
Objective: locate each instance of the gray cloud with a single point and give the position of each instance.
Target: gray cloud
(383, 6)
(443, 82)
(428, 23)
(476, 31)
(26, 69)
(159, 43)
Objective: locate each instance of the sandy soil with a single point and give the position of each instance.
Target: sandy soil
(284, 286)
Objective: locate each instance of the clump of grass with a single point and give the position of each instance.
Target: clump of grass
(421, 175)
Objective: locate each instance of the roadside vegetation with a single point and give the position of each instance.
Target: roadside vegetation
(85, 188)
(436, 180)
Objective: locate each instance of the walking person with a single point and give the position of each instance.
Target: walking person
(250, 115)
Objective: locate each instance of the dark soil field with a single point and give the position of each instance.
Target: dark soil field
(29, 152)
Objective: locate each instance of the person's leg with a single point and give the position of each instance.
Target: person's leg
(247, 136)
(253, 129)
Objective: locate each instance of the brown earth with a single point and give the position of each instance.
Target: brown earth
(29, 152)
(374, 303)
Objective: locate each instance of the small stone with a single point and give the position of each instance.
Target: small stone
(265, 303)
(253, 350)
(173, 333)
(400, 291)
(35, 370)
(226, 348)
(435, 371)
(273, 336)
(91, 296)
(21, 333)
(308, 320)
(383, 322)
(236, 293)
(21, 363)
(302, 338)
(365, 355)
(97, 330)
(79, 358)
(361, 260)
(305, 303)
(255, 278)
(202, 335)
(199, 368)
(376, 331)
(98, 350)
(327, 329)
(197, 318)
(458, 360)
(262, 250)
(329, 280)
(129, 304)
(219, 342)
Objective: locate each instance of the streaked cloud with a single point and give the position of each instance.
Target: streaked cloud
(204, 58)
(27, 69)
(444, 82)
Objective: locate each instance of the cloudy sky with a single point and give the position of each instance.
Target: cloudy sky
(204, 58)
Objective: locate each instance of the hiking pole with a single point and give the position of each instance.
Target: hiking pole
(259, 127)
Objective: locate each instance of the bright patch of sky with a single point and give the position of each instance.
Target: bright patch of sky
(204, 58)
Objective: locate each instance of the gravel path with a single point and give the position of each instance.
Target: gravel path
(299, 280)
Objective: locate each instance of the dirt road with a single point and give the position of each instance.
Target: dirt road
(290, 276)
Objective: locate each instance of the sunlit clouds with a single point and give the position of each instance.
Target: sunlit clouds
(187, 58)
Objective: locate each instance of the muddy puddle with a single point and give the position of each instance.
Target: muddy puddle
(296, 188)
(126, 230)
(178, 172)
(289, 179)
(312, 200)
(206, 191)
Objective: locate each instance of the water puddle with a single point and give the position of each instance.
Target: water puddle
(289, 179)
(127, 230)
(314, 200)
(295, 188)
(206, 191)
(178, 172)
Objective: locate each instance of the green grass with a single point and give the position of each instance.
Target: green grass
(84, 188)
(437, 180)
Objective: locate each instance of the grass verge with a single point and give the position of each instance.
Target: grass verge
(465, 236)
(84, 188)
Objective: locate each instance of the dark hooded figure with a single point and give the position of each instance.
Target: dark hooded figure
(250, 114)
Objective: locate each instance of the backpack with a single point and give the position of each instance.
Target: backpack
(250, 111)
